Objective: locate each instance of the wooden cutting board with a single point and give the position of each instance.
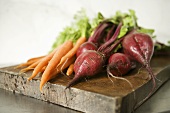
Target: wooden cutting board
(99, 94)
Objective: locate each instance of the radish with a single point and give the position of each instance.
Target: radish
(91, 62)
(140, 47)
(119, 64)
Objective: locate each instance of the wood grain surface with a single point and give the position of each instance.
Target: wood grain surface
(97, 94)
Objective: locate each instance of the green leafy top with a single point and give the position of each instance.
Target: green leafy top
(129, 21)
(82, 23)
(97, 20)
(80, 27)
(83, 27)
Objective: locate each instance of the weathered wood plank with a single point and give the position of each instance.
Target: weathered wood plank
(97, 94)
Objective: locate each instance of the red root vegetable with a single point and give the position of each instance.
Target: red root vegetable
(86, 46)
(119, 64)
(88, 63)
(140, 47)
(91, 62)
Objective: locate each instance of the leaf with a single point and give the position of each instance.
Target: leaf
(80, 27)
(97, 20)
(146, 31)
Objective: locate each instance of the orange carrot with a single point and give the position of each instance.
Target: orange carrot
(57, 70)
(32, 66)
(65, 48)
(22, 65)
(70, 69)
(43, 69)
(35, 58)
(29, 62)
(73, 51)
(43, 63)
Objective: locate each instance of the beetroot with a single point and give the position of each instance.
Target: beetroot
(88, 63)
(86, 46)
(119, 64)
(140, 47)
(91, 62)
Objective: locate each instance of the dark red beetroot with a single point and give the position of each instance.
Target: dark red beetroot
(140, 47)
(119, 64)
(86, 46)
(88, 63)
(91, 62)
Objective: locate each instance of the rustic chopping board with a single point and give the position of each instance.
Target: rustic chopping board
(99, 94)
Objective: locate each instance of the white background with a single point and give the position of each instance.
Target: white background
(28, 28)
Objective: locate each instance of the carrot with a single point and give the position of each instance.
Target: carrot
(73, 51)
(57, 70)
(22, 65)
(35, 58)
(43, 69)
(65, 48)
(32, 66)
(70, 69)
(43, 63)
(29, 62)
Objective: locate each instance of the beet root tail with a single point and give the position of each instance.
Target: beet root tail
(148, 68)
(72, 82)
(151, 74)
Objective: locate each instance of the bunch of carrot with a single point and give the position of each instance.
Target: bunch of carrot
(63, 53)
(53, 63)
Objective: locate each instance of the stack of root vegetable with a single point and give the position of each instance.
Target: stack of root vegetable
(115, 44)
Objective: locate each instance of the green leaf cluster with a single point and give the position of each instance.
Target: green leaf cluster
(82, 26)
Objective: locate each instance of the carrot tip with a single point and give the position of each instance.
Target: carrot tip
(22, 71)
(19, 66)
(28, 79)
(16, 67)
(41, 85)
(41, 89)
